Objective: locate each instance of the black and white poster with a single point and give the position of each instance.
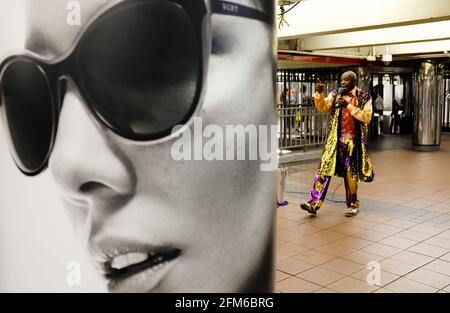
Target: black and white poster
(137, 146)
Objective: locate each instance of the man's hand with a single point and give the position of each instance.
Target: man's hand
(320, 87)
(341, 103)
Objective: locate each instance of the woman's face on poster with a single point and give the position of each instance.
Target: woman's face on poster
(151, 222)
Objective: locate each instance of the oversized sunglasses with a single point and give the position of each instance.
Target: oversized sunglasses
(140, 67)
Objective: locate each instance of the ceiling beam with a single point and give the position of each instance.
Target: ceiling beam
(375, 37)
(415, 48)
(291, 57)
(330, 17)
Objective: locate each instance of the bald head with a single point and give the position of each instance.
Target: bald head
(350, 75)
(348, 80)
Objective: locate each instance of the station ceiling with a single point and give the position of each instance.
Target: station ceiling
(362, 30)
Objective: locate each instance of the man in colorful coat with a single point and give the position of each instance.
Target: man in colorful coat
(345, 153)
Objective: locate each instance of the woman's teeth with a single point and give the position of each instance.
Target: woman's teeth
(125, 260)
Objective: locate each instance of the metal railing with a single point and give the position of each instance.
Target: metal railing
(301, 127)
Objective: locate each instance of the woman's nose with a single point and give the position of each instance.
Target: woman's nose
(88, 167)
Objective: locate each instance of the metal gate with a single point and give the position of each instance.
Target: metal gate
(300, 125)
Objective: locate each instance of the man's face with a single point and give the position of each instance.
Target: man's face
(347, 81)
(132, 203)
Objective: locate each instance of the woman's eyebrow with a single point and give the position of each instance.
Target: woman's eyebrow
(231, 8)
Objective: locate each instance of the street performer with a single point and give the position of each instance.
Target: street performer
(345, 151)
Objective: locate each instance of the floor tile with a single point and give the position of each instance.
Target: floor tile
(335, 249)
(305, 229)
(397, 242)
(342, 266)
(354, 242)
(378, 279)
(320, 276)
(439, 241)
(386, 229)
(293, 266)
(370, 235)
(289, 249)
(426, 229)
(326, 290)
(351, 285)
(400, 223)
(429, 278)
(445, 257)
(396, 267)
(297, 285)
(439, 266)
(429, 250)
(382, 250)
(413, 235)
(314, 257)
(281, 275)
(413, 258)
(308, 242)
(288, 235)
(346, 229)
(383, 290)
(326, 236)
(405, 285)
(361, 223)
(445, 234)
(283, 224)
(361, 257)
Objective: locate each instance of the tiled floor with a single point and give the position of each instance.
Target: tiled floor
(399, 242)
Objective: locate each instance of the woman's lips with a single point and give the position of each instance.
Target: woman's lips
(129, 264)
(131, 268)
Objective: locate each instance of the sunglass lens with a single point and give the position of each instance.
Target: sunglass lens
(29, 114)
(140, 68)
